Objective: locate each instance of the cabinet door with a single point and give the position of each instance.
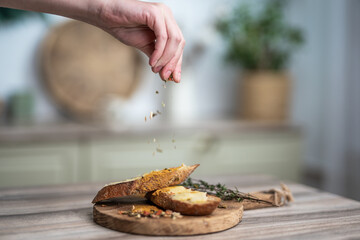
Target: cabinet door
(117, 159)
(38, 164)
(272, 153)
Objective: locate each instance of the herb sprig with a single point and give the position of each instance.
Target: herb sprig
(221, 191)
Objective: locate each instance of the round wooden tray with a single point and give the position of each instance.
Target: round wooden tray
(82, 66)
(107, 215)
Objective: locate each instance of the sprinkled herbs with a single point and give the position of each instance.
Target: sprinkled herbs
(158, 112)
(220, 191)
(151, 214)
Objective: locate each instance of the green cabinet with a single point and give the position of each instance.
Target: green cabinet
(38, 164)
(103, 159)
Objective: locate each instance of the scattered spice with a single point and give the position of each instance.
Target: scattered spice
(157, 92)
(158, 112)
(159, 212)
(145, 119)
(154, 140)
(163, 104)
(177, 214)
(171, 78)
(150, 211)
(159, 150)
(146, 213)
(154, 216)
(123, 212)
(132, 214)
(222, 205)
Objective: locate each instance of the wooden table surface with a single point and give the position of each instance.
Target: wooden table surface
(65, 212)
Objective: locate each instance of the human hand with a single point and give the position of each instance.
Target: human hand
(150, 27)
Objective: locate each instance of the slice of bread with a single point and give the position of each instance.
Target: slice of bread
(145, 183)
(185, 201)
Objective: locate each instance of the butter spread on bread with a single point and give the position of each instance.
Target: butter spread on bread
(181, 193)
(184, 201)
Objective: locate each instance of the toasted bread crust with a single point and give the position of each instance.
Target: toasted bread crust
(164, 200)
(148, 182)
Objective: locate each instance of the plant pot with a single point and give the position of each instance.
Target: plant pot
(265, 96)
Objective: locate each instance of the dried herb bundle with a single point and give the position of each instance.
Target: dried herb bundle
(221, 191)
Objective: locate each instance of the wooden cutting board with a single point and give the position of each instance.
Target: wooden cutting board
(107, 215)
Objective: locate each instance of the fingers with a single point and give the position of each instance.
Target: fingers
(159, 28)
(169, 45)
(173, 67)
(171, 56)
(177, 71)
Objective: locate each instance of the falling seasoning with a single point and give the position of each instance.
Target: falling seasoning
(145, 119)
(159, 150)
(163, 104)
(171, 78)
(154, 140)
(157, 92)
(158, 112)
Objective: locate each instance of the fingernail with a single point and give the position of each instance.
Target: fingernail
(167, 74)
(158, 68)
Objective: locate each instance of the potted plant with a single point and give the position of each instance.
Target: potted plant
(261, 43)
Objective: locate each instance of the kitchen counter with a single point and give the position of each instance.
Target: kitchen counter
(65, 212)
(73, 131)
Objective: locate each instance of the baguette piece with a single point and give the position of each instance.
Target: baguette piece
(145, 183)
(184, 200)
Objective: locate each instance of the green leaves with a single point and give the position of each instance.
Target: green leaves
(11, 15)
(260, 40)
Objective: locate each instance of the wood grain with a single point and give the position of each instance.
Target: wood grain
(65, 212)
(221, 219)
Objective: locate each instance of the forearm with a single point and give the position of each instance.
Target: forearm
(84, 10)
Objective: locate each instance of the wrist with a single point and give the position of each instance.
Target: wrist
(94, 12)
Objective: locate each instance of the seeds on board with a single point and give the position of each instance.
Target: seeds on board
(151, 214)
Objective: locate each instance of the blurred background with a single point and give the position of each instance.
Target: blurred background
(267, 88)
